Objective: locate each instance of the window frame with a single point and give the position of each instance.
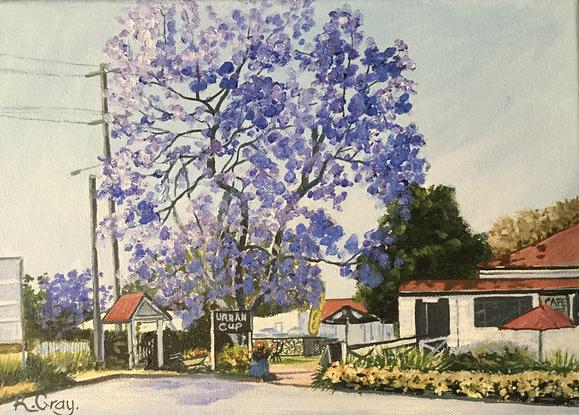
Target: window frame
(525, 303)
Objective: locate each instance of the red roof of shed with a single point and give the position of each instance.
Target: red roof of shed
(334, 304)
(559, 250)
(540, 319)
(123, 309)
(489, 285)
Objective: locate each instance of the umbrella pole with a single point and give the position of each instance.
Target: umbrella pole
(540, 345)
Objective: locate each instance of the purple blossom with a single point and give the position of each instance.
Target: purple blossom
(224, 144)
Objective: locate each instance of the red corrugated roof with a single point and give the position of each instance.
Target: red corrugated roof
(561, 249)
(334, 304)
(489, 285)
(124, 308)
(540, 319)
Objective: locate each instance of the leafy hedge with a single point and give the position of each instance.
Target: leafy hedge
(535, 386)
(490, 358)
(45, 373)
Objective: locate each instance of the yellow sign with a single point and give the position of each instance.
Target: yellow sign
(316, 317)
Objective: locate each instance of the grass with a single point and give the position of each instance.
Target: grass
(308, 361)
(10, 368)
(70, 362)
(7, 393)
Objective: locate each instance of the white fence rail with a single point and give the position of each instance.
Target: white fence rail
(44, 349)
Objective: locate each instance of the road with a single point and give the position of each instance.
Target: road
(208, 395)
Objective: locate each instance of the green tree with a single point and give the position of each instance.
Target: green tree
(435, 243)
(32, 302)
(527, 227)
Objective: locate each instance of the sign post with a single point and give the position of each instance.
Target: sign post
(213, 340)
(229, 322)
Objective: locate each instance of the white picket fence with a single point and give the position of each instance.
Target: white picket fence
(46, 348)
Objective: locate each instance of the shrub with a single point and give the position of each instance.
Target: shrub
(560, 362)
(233, 359)
(10, 369)
(503, 358)
(262, 350)
(46, 374)
(411, 359)
(71, 362)
(527, 387)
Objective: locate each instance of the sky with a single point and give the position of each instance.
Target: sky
(498, 103)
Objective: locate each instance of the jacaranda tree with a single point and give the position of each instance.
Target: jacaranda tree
(241, 132)
(65, 301)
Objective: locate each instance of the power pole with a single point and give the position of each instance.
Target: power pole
(99, 344)
(102, 72)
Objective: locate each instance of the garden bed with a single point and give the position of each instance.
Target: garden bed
(531, 387)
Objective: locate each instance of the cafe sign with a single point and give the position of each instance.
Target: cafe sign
(557, 302)
(237, 321)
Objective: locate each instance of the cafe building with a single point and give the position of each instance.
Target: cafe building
(467, 312)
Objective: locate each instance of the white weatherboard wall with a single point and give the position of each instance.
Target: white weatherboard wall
(464, 333)
(10, 301)
(358, 333)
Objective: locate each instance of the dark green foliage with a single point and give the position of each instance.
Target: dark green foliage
(32, 301)
(406, 359)
(116, 350)
(495, 358)
(44, 372)
(504, 359)
(436, 243)
(561, 363)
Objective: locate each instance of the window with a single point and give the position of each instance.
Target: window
(496, 311)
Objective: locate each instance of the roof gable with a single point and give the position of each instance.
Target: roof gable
(334, 304)
(133, 306)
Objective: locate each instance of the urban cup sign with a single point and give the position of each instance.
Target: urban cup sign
(237, 321)
(231, 322)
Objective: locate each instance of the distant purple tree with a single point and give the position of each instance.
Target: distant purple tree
(241, 134)
(68, 300)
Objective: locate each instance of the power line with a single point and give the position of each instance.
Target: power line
(24, 108)
(39, 73)
(46, 60)
(44, 119)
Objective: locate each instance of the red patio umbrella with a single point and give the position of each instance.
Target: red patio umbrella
(541, 318)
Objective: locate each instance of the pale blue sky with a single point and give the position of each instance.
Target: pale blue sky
(497, 102)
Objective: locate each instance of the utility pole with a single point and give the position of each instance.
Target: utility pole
(99, 344)
(102, 72)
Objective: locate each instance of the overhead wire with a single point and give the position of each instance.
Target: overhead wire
(39, 113)
(44, 119)
(39, 73)
(32, 108)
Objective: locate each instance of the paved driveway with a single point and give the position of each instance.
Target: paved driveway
(208, 395)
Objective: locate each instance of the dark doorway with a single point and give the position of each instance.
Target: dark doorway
(432, 319)
(576, 308)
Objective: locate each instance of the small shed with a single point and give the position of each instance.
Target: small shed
(134, 308)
